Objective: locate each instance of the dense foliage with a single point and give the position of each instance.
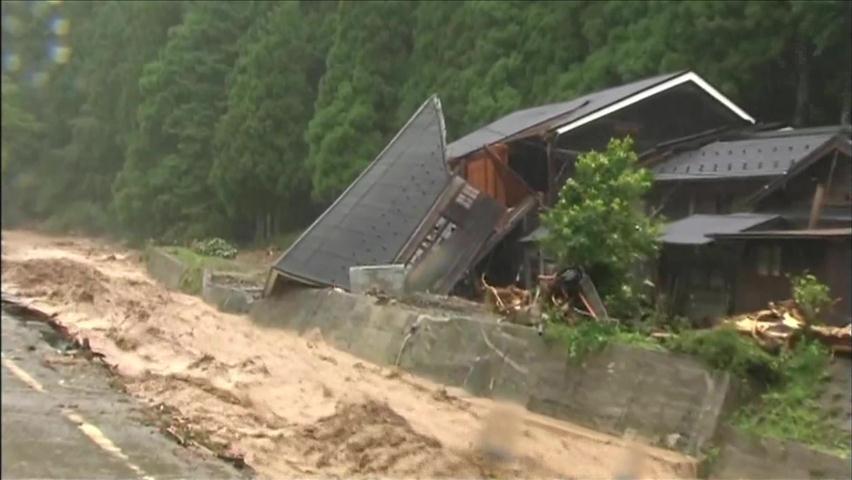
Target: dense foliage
(243, 119)
(811, 295)
(598, 223)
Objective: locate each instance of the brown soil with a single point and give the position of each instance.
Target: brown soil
(287, 405)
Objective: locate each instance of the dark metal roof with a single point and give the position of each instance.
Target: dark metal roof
(753, 157)
(795, 132)
(793, 234)
(370, 223)
(564, 112)
(694, 230)
(828, 212)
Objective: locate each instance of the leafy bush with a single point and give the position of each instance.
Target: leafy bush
(214, 247)
(811, 295)
(589, 336)
(790, 409)
(725, 349)
(598, 224)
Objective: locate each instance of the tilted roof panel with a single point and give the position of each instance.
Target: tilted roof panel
(373, 219)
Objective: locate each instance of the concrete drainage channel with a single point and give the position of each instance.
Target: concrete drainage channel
(666, 399)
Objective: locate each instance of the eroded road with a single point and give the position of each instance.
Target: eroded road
(61, 418)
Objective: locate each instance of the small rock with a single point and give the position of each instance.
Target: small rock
(672, 439)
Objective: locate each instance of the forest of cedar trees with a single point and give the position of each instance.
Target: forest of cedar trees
(179, 120)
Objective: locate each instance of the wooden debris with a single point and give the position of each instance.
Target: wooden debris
(778, 325)
(509, 300)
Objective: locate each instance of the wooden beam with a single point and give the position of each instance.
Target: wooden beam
(816, 206)
(820, 193)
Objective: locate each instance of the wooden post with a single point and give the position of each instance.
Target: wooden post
(816, 206)
(550, 198)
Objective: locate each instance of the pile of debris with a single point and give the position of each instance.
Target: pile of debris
(780, 324)
(569, 291)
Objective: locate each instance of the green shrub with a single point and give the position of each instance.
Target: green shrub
(597, 224)
(811, 295)
(214, 247)
(791, 410)
(725, 349)
(590, 336)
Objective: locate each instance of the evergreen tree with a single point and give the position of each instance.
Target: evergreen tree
(366, 69)
(162, 190)
(260, 166)
(192, 118)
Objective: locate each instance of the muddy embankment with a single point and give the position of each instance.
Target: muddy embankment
(287, 405)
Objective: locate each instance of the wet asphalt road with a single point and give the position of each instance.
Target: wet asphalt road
(79, 426)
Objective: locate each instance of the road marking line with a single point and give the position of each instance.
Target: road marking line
(92, 432)
(97, 436)
(22, 375)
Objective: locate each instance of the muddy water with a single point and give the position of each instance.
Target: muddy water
(290, 405)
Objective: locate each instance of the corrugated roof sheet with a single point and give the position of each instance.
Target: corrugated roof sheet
(372, 220)
(693, 230)
(565, 112)
(754, 157)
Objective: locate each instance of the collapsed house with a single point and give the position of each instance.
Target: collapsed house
(438, 218)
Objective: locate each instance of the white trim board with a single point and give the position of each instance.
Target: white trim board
(686, 77)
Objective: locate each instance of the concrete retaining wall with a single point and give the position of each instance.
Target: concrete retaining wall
(665, 398)
(216, 291)
(748, 456)
(165, 268)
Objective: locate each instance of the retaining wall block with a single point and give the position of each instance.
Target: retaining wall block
(164, 267)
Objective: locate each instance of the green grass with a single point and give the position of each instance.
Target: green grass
(790, 409)
(282, 241)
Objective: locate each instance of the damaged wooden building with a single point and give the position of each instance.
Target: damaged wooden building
(749, 209)
(439, 217)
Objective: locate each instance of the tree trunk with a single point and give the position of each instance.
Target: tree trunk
(846, 101)
(268, 226)
(258, 227)
(800, 116)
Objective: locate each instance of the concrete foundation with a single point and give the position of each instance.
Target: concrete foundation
(389, 279)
